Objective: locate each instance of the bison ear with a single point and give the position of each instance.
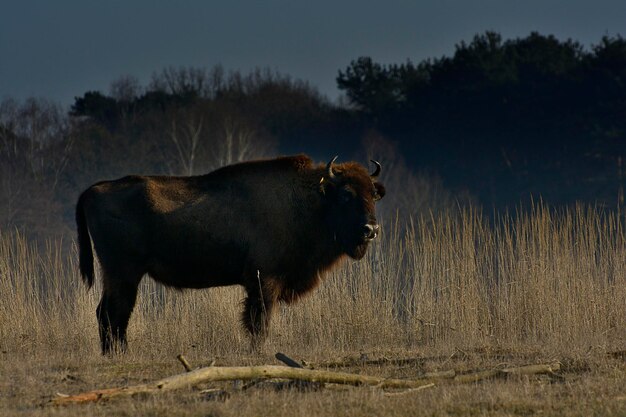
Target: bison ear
(380, 191)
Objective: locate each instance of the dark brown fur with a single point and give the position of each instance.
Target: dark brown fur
(277, 217)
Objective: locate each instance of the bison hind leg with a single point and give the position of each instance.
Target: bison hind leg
(114, 311)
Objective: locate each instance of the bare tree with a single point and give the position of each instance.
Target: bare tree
(38, 133)
(35, 142)
(238, 141)
(186, 139)
(182, 81)
(198, 148)
(125, 88)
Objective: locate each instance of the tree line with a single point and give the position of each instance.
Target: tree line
(506, 119)
(496, 122)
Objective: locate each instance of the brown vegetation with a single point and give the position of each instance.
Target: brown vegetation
(456, 291)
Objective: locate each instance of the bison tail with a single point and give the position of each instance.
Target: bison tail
(85, 254)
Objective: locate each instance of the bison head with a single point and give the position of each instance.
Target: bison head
(350, 192)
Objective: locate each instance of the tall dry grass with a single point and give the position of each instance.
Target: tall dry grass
(542, 278)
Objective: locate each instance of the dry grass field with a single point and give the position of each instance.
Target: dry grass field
(455, 292)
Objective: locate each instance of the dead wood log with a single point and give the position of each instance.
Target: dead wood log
(297, 383)
(186, 365)
(233, 373)
(287, 360)
(409, 391)
(549, 368)
(269, 371)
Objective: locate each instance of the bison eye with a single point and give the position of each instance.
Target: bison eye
(346, 195)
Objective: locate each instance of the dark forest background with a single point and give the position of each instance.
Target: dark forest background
(497, 124)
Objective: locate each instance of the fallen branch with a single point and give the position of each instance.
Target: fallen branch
(409, 391)
(549, 369)
(298, 383)
(186, 365)
(269, 371)
(292, 363)
(233, 373)
(380, 361)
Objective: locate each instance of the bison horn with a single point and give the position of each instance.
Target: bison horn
(377, 171)
(329, 168)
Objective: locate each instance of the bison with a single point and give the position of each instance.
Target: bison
(273, 226)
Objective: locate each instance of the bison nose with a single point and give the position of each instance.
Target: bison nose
(370, 231)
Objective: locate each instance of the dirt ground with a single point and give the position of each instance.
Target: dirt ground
(589, 384)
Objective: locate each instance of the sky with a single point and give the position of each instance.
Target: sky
(60, 49)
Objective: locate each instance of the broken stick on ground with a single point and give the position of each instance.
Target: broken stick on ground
(186, 365)
(270, 371)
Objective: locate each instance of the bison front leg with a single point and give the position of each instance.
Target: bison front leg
(259, 305)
